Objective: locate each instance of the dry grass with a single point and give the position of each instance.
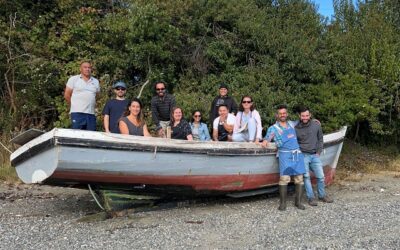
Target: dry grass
(7, 172)
(357, 160)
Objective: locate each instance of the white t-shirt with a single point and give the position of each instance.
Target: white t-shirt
(83, 99)
(230, 121)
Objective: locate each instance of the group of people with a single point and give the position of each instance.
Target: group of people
(299, 143)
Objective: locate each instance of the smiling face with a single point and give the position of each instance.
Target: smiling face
(247, 103)
(86, 69)
(305, 116)
(223, 91)
(223, 111)
(177, 115)
(160, 89)
(197, 116)
(134, 108)
(282, 115)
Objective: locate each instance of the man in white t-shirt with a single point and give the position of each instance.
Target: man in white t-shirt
(80, 93)
(223, 124)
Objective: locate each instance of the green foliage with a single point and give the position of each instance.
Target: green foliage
(282, 51)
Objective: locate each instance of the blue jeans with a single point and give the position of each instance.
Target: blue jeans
(313, 162)
(249, 134)
(83, 121)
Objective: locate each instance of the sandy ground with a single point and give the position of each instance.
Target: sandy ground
(365, 215)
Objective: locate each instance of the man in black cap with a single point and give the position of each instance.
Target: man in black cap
(114, 108)
(222, 99)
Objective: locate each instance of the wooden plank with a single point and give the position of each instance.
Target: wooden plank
(27, 136)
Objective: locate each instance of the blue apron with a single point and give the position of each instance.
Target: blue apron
(291, 160)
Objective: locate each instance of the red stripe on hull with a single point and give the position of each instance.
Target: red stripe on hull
(197, 182)
(329, 174)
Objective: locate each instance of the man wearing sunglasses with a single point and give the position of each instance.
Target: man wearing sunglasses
(161, 106)
(80, 93)
(114, 108)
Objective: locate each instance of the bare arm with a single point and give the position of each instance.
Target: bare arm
(106, 123)
(215, 134)
(123, 128)
(146, 131)
(189, 137)
(68, 94)
(228, 127)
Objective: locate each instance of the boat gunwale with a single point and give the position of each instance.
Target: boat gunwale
(132, 146)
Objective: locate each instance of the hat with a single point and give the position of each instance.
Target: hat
(223, 86)
(119, 84)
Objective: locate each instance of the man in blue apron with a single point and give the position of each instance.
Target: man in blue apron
(291, 160)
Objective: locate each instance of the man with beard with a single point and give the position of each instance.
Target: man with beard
(161, 107)
(291, 160)
(114, 108)
(310, 138)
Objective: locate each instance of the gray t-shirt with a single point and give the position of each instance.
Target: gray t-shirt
(83, 99)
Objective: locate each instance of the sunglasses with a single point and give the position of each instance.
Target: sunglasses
(247, 102)
(120, 88)
(197, 116)
(162, 89)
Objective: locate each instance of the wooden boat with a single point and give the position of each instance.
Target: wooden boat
(156, 166)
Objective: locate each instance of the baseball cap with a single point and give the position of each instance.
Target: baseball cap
(223, 86)
(119, 84)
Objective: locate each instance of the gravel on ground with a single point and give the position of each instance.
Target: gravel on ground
(365, 215)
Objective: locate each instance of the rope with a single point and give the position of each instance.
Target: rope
(9, 151)
(155, 152)
(94, 197)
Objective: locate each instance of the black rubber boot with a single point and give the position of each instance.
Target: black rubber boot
(299, 196)
(282, 196)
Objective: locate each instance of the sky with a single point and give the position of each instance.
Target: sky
(325, 7)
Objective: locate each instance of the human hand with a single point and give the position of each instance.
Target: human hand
(264, 144)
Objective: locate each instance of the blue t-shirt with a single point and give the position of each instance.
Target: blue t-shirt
(115, 109)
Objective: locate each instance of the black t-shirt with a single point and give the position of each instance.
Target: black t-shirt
(222, 100)
(115, 109)
(181, 131)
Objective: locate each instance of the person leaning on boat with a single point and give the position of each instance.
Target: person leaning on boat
(199, 129)
(310, 138)
(114, 108)
(180, 128)
(222, 99)
(223, 125)
(161, 106)
(80, 93)
(132, 123)
(291, 160)
(248, 125)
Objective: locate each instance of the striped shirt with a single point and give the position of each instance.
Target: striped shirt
(161, 108)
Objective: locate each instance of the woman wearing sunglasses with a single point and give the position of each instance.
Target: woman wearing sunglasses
(247, 127)
(199, 129)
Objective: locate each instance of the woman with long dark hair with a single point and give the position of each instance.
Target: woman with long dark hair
(199, 129)
(132, 123)
(248, 125)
